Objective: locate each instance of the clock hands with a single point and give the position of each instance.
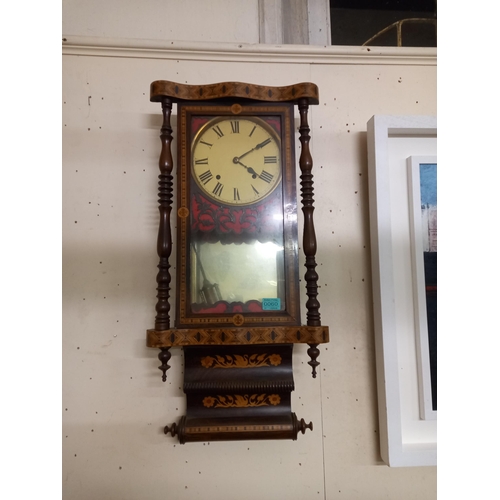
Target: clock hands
(263, 143)
(250, 170)
(260, 145)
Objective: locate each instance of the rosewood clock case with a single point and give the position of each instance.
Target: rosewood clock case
(237, 290)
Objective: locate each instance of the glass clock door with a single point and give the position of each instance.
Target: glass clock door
(247, 277)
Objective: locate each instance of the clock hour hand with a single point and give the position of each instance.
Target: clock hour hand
(250, 170)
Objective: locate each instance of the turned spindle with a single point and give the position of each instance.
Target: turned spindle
(164, 242)
(309, 239)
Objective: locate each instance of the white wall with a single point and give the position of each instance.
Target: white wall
(114, 403)
(196, 20)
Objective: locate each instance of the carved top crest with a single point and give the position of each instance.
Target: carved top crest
(227, 90)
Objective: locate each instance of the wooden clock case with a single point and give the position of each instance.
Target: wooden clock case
(238, 368)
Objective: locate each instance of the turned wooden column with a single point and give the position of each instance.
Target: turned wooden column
(309, 238)
(164, 243)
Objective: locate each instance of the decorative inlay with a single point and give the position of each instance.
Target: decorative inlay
(238, 428)
(183, 212)
(236, 109)
(290, 93)
(238, 319)
(239, 401)
(239, 336)
(241, 361)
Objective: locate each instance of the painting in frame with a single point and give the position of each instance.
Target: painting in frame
(422, 186)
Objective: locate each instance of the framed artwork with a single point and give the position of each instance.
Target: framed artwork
(422, 188)
(397, 146)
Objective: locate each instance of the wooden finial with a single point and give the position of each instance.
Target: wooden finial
(164, 357)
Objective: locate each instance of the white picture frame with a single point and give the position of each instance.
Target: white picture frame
(405, 438)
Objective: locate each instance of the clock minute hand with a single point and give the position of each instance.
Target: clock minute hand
(263, 143)
(260, 145)
(237, 158)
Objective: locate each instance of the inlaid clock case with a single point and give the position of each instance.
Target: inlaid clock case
(236, 201)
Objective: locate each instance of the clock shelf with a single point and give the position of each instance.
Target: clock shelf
(238, 336)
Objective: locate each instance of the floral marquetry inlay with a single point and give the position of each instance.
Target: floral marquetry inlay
(241, 361)
(238, 401)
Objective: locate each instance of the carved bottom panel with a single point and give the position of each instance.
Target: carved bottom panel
(238, 393)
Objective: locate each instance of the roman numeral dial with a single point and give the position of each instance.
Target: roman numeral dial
(236, 160)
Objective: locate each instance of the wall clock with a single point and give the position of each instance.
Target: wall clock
(237, 293)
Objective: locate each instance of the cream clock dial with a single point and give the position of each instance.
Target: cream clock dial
(236, 160)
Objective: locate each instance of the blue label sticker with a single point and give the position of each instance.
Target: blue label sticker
(271, 304)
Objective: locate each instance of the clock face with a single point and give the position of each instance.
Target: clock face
(236, 160)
